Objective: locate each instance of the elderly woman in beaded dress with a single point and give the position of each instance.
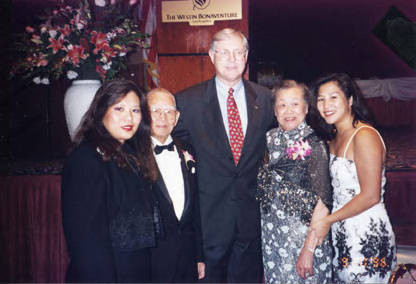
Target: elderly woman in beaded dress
(294, 189)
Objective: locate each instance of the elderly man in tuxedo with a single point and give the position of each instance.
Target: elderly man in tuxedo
(225, 120)
(178, 256)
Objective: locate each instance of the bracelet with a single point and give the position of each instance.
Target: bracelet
(310, 249)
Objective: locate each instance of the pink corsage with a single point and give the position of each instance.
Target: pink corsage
(189, 161)
(298, 150)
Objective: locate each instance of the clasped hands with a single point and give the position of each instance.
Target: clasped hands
(316, 235)
(320, 229)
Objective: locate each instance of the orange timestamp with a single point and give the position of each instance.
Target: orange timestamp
(372, 261)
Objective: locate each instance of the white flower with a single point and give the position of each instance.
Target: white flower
(80, 26)
(45, 81)
(270, 264)
(269, 226)
(285, 229)
(71, 74)
(287, 267)
(43, 30)
(36, 80)
(318, 252)
(268, 249)
(111, 35)
(52, 33)
(99, 3)
(276, 155)
(107, 66)
(322, 266)
(283, 252)
(122, 54)
(280, 214)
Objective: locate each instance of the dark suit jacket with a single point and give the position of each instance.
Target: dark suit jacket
(179, 248)
(226, 192)
(108, 220)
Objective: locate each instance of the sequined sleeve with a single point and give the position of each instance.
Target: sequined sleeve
(319, 172)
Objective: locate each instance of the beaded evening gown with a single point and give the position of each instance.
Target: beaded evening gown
(365, 250)
(288, 190)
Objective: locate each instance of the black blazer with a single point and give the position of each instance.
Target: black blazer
(179, 248)
(108, 220)
(226, 191)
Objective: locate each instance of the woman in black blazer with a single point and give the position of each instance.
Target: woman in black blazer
(109, 217)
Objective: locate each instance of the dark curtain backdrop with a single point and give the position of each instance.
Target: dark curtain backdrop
(33, 243)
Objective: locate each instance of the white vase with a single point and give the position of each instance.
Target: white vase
(77, 100)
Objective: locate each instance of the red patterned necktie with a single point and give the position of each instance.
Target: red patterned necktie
(235, 128)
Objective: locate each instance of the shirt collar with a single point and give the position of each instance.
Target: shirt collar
(224, 88)
(156, 142)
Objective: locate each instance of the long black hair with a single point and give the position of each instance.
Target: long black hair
(92, 129)
(350, 89)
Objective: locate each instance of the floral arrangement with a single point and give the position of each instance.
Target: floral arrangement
(74, 41)
(298, 150)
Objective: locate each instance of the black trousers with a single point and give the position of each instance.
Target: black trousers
(239, 262)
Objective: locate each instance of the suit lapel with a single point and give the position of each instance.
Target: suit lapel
(186, 183)
(162, 186)
(214, 122)
(253, 116)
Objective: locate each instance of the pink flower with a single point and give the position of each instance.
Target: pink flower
(66, 30)
(56, 44)
(99, 3)
(299, 150)
(99, 40)
(132, 2)
(75, 53)
(29, 29)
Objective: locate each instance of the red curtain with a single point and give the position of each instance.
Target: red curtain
(33, 244)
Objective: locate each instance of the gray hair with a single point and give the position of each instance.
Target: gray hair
(225, 34)
(289, 84)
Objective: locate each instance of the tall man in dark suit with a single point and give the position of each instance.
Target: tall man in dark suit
(225, 120)
(178, 255)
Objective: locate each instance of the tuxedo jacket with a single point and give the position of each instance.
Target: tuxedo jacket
(179, 247)
(226, 191)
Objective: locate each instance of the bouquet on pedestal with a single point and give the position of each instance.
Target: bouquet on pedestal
(74, 41)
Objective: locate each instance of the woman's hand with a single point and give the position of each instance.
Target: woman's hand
(201, 270)
(320, 228)
(304, 264)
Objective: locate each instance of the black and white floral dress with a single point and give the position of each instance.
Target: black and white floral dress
(365, 249)
(290, 183)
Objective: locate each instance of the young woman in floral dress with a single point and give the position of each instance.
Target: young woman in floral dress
(362, 235)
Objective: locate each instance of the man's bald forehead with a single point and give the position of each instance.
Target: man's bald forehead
(162, 92)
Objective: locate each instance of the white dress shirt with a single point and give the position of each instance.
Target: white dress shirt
(169, 165)
(240, 100)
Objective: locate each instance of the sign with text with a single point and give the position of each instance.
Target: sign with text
(201, 12)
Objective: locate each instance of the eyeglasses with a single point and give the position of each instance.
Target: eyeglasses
(158, 113)
(225, 54)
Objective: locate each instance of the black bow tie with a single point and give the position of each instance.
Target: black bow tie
(159, 149)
